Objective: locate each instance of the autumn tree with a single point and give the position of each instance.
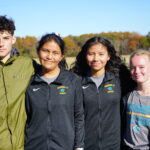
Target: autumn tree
(71, 47)
(26, 45)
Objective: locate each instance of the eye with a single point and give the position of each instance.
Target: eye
(101, 54)
(89, 53)
(141, 67)
(56, 53)
(44, 50)
(6, 38)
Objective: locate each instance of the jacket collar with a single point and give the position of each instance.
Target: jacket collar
(108, 76)
(14, 52)
(59, 80)
(13, 56)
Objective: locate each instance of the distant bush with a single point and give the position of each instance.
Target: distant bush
(124, 43)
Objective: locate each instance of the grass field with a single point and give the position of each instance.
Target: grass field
(126, 58)
(70, 60)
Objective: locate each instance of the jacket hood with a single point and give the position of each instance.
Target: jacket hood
(14, 52)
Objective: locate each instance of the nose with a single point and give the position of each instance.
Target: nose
(49, 56)
(96, 57)
(137, 70)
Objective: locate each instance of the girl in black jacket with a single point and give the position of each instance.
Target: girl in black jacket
(55, 117)
(101, 69)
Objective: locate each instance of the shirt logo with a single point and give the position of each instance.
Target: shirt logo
(19, 76)
(35, 89)
(62, 89)
(85, 87)
(109, 88)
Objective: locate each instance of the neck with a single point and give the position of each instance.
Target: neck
(97, 73)
(5, 58)
(50, 73)
(144, 88)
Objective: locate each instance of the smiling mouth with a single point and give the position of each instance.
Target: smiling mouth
(95, 64)
(137, 77)
(47, 61)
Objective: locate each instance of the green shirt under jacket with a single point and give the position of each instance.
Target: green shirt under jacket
(14, 78)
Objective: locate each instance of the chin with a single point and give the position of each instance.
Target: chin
(47, 68)
(138, 81)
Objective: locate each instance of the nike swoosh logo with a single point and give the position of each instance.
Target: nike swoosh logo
(36, 89)
(85, 87)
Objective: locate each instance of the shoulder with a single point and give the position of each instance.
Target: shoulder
(26, 63)
(127, 96)
(24, 59)
(110, 76)
(68, 76)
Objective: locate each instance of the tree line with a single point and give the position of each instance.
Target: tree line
(124, 42)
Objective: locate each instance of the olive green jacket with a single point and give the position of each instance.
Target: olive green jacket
(15, 75)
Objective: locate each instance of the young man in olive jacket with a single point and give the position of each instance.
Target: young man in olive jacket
(15, 73)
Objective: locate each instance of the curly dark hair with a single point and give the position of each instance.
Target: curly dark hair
(81, 67)
(7, 25)
(53, 37)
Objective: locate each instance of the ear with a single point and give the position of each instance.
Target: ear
(13, 40)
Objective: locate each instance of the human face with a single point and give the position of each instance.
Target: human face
(97, 57)
(140, 68)
(6, 42)
(50, 55)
